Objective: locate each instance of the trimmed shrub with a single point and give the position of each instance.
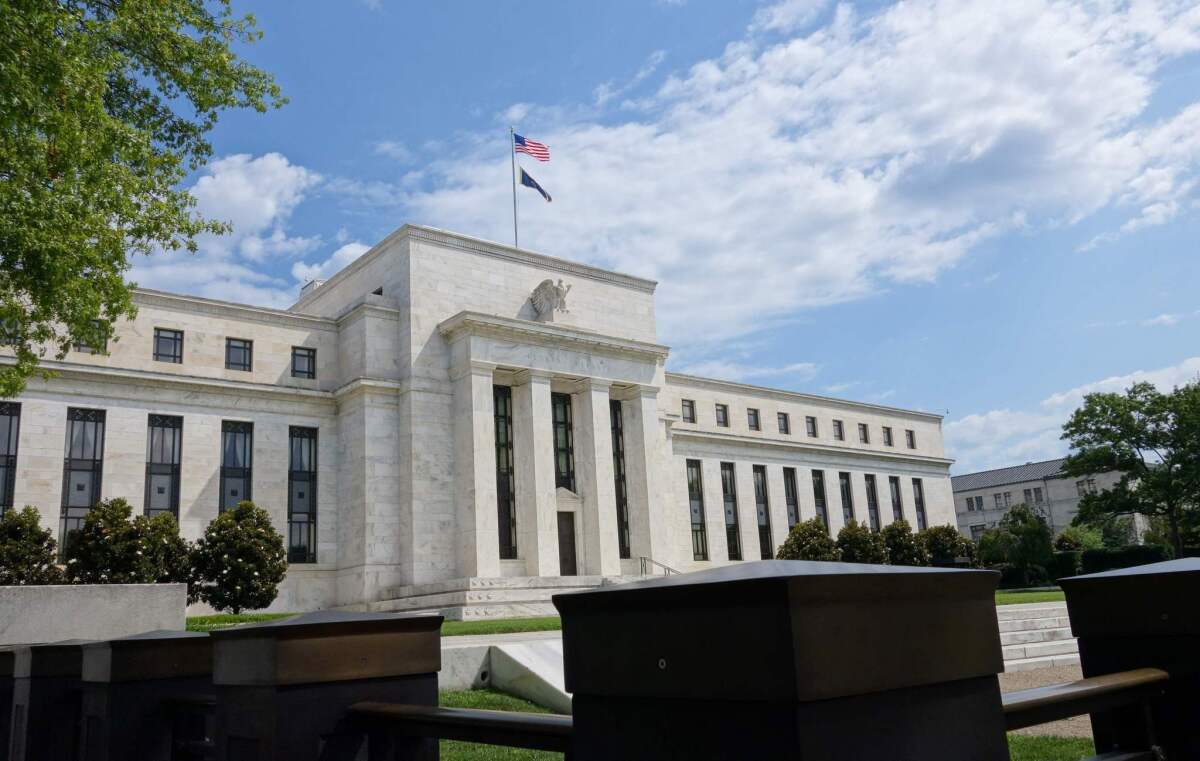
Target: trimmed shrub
(1016, 577)
(27, 551)
(859, 544)
(1064, 563)
(1076, 538)
(945, 546)
(902, 545)
(240, 561)
(809, 540)
(112, 549)
(1108, 559)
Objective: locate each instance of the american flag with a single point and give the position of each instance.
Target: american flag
(531, 147)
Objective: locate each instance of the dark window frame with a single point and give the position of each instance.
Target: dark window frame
(910, 438)
(722, 415)
(243, 473)
(81, 460)
(872, 501)
(919, 504)
(8, 454)
(839, 430)
(784, 421)
(695, 483)
(791, 497)
(733, 539)
(888, 440)
(564, 441)
(810, 426)
(165, 461)
(310, 356)
(620, 487)
(762, 505)
(82, 347)
(506, 485)
(753, 419)
(846, 493)
(820, 500)
(897, 498)
(302, 532)
(174, 341)
(245, 346)
(864, 433)
(687, 410)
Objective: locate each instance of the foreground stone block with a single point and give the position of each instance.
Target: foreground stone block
(88, 611)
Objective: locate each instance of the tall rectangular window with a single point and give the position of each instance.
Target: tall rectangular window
(688, 411)
(785, 423)
(564, 445)
(839, 431)
(1008, 499)
(168, 345)
(864, 433)
(729, 495)
(237, 454)
(762, 508)
(910, 438)
(897, 499)
(818, 483)
(872, 502)
(83, 464)
(847, 497)
(696, 510)
(979, 503)
(1029, 496)
(302, 495)
(164, 442)
(722, 412)
(10, 427)
(1037, 495)
(506, 490)
(752, 419)
(239, 354)
(887, 437)
(919, 503)
(304, 362)
(810, 425)
(790, 496)
(622, 492)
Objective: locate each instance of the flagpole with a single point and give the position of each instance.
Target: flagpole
(512, 155)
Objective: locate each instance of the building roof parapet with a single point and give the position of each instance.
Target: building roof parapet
(229, 309)
(828, 449)
(510, 328)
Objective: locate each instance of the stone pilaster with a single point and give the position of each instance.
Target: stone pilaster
(594, 477)
(778, 504)
(475, 471)
(537, 503)
(650, 493)
(747, 510)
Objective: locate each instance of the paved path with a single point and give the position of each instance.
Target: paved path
(1078, 726)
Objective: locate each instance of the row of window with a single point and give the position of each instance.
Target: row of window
(83, 465)
(695, 485)
(1003, 500)
(239, 353)
(784, 422)
(564, 465)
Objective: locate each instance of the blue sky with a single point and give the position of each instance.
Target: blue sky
(979, 209)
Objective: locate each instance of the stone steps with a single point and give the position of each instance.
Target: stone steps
(1036, 636)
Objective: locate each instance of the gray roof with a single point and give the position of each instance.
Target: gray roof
(1030, 471)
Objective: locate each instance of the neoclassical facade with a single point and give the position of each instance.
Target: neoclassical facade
(454, 424)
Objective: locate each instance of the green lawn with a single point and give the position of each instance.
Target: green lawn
(1022, 747)
(449, 628)
(226, 620)
(1021, 596)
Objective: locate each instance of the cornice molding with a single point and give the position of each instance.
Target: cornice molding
(548, 334)
(802, 446)
(364, 309)
(368, 386)
(215, 308)
(680, 379)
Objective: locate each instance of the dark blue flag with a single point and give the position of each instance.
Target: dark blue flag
(529, 182)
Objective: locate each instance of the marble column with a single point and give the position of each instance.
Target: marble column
(537, 503)
(650, 493)
(594, 477)
(475, 470)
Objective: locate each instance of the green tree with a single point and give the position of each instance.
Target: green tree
(27, 551)
(859, 544)
(1076, 538)
(1153, 440)
(106, 108)
(1022, 540)
(240, 561)
(945, 546)
(902, 545)
(809, 540)
(111, 548)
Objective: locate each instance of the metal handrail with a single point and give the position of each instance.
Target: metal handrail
(539, 731)
(1026, 708)
(648, 564)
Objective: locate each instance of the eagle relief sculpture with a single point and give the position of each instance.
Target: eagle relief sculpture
(549, 298)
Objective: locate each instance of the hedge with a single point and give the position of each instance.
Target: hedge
(1108, 559)
(1064, 563)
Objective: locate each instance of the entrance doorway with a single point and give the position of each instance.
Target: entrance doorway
(566, 544)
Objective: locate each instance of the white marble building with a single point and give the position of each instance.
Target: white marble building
(434, 427)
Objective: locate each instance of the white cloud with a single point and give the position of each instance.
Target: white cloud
(998, 438)
(393, 150)
(607, 90)
(787, 16)
(788, 174)
(790, 374)
(322, 270)
(1164, 320)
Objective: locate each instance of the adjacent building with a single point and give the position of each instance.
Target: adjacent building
(454, 424)
(982, 499)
